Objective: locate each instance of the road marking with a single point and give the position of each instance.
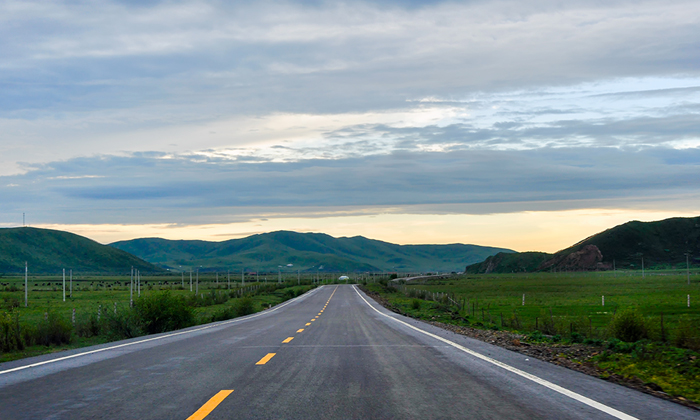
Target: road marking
(300, 330)
(287, 340)
(210, 405)
(308, 323)
(266, 358)
(218, 324)
(554, 387)
(313, 320)
(320, 313)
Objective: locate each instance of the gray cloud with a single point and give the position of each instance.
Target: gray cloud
(185, 191)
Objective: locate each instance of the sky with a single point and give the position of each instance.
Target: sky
(524, 125)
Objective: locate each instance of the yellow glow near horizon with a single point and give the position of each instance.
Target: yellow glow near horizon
(547, 231)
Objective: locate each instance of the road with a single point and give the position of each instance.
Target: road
(332, 353)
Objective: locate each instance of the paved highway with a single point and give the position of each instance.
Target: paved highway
(332, 353)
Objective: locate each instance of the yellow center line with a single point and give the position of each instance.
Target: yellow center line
(313, 320)
(300, 330)
(287, 340)
(320, 313)
(266, 358)
(210, 405)
(308, 323)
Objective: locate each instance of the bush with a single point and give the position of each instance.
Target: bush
(629, 325)
(10, 337)
(53, 330)
(124, 324)
(161, 312)
(223, 314)
(244, 306)
(86, 325)
(415, 304)
(687, 334)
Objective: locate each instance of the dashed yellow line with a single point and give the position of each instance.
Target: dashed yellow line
(300, 330)
(308, 323)
(287, 340)
(313, 320)
(210, 405)
(266, 358)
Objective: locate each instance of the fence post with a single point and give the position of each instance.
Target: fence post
(73, 318)
(603, 301)
(689, 301)
(99, 312)
(115, 308)
(523, 299)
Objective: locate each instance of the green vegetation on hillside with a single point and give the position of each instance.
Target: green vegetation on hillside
(662, 244)
(49, 251)
(307, 252)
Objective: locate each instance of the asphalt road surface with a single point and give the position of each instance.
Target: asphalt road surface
(332, 353)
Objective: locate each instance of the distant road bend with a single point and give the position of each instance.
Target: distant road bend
(332, 353)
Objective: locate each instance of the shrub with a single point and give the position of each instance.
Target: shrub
(124, 324)
(86, 325)
(161, 312)
(53, 330)
(244, 306)
(223, 314)
(415, 304)
(629, 325)
(687, 334)
(10, 337)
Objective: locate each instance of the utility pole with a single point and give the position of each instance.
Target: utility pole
(64, 284)
(71, 283)
(196, 285)
(190, 279)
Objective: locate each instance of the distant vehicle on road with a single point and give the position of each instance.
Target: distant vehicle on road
(343, 278)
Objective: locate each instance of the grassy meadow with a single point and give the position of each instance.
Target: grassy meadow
(102, 306)
(571, 301)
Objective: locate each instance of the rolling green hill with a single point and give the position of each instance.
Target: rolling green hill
(662, 244)
(307, 252)
(49, 251)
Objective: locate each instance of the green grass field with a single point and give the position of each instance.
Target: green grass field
(102, 294)
(571, 298)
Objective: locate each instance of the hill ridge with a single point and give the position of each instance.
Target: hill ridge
(309, 251)
(49, 251)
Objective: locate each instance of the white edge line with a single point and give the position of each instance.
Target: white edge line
(45, 362)
(578, 397)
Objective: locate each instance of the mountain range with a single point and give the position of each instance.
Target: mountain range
(269, 252)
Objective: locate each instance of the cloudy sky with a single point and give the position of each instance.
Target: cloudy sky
(527, 125)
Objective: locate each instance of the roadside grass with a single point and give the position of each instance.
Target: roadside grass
(573, 302)
(565, 308)
(102, 312)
